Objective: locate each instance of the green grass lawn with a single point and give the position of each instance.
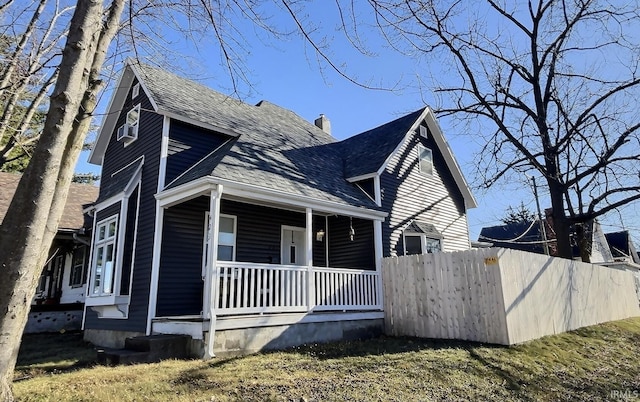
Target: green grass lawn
(595, 363)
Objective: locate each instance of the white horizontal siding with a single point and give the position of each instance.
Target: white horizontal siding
(410, 195)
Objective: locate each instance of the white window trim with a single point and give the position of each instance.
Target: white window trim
(135, 91)
(422, 148)
(115, 305)
(423, 241)
(83, 266)
(94, 262)
(136, 108)
(205, 240)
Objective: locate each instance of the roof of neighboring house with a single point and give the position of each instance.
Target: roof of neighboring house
(80, 197)
(268, 146)
(517, 236)
(621, 245)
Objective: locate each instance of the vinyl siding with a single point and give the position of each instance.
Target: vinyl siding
(117, 156)
(344, 253)
(180, 283)
(188, 145)
(408, 194)
(259, 230)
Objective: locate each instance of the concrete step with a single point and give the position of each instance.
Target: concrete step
(146, 349)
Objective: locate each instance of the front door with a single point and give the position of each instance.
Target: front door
(293, 246)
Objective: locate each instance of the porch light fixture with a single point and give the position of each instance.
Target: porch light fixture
(320, 235)
(352, 232)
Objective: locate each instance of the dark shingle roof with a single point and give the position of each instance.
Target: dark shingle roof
(424, 228)
(517, 236)
(80, 196)
(275, 148)
(366, 152)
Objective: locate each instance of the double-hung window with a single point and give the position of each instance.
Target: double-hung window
(104, 257)
(78, 267)
(425, 160)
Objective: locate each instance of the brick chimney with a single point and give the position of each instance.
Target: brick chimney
(323, 123)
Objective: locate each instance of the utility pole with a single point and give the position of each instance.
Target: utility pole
(545, 245)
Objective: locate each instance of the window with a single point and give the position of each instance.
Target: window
(412, 245)
(78, 267)
(420, 244)
(227, 238)
(425, 160)
(128, 132)
(104, 251)
(135, 91)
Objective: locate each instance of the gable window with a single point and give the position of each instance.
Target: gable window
(78, 267)
(135, 91)
(128, 132)
(425, 160)
(104, 251)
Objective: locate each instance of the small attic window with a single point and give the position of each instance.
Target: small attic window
(135, 91)
(424, 133)
(425, 160)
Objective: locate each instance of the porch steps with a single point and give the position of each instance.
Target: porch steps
(146, 349)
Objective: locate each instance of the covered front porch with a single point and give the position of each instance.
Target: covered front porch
(231, 260)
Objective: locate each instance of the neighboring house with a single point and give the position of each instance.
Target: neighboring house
(622, 247)
(526, 236)
(248, 227)
(60, 294)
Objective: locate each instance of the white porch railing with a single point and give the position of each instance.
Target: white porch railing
(247, 288)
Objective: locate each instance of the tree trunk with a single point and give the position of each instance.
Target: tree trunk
(561, 225)
(584, 234)
(36, 208)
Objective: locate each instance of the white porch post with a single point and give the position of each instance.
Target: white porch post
(377, 239)
(155, 267)
(211, 277)
(311, 288)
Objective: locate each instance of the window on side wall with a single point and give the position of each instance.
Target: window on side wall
(425, 160)
(421, 244)
(104, 255)
(78, 267)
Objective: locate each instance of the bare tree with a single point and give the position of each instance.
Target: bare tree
(556, 82)
(79, 73)
(31, 46)
(35, 211)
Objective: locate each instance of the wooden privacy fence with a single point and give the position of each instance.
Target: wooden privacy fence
(501, 296)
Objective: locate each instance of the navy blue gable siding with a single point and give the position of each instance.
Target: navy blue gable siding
(117, 157)
(180, 283)
(345, 253)
(188, 144)
(407, 195)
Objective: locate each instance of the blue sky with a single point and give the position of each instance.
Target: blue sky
(286, 72)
